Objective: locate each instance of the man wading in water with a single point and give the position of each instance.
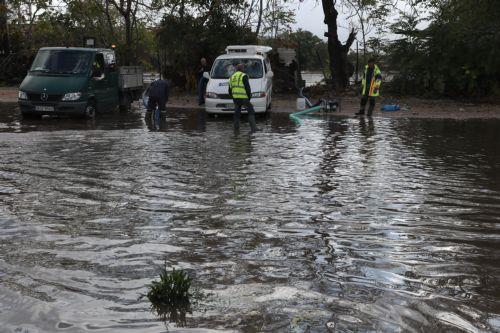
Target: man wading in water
(240, 92)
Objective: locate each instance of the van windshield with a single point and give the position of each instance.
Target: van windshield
(224, 68)
(62, 62)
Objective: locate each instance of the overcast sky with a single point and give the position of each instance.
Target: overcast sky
(310, 17)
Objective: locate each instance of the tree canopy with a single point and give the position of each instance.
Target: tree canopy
(430, 47)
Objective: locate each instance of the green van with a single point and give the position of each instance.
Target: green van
(78, 81)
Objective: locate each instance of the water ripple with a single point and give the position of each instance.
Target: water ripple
(362, 225)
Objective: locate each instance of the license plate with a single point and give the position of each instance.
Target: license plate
(227, 107)
(44, 108)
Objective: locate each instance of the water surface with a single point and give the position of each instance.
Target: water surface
(341, 225)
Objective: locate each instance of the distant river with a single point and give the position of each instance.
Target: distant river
(312, 78)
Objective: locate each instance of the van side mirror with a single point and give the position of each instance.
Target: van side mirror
(270, 74)
(206, 75)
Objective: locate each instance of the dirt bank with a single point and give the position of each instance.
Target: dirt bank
(418, 108)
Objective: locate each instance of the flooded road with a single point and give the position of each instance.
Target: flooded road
(340, 225)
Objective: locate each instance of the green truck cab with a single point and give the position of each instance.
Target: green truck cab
(78, 81)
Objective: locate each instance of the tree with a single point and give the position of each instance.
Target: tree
(185, 37)
(312, 49)
(277, 18)
(27, 12)
(454, 55)
(369, 14)
(259, 22)
(128, 10)
(4, 29)
(337, 51)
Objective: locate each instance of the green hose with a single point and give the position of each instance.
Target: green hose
(297, 120)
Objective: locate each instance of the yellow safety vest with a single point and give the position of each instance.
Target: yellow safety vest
(237, 87)
(374, 83)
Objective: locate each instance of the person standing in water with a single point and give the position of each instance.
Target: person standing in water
(370, 87)
(202, 82)
(241, 93)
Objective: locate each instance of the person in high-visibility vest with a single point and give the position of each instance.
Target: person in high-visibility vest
(370, 87)
(241, 93)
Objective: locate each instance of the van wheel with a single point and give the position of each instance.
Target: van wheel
(90, 110)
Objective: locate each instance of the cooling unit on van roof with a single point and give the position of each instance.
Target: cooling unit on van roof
(248, 49)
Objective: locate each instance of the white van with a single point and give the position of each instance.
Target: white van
(258, 69)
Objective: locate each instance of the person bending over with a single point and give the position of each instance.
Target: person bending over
(158, 95)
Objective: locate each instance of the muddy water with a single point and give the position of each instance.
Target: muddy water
(341, 225)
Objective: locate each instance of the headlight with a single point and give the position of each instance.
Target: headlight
(72, 96)
(258, 94)
(212, 95)
(22, 95)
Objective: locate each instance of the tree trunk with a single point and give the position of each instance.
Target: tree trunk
(249, 15)
(110, 21)
(337, 51)
(128, 40)
(261, 9)
(126, 10)
(4, 29)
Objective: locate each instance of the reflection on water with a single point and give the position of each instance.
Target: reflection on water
(341, 224)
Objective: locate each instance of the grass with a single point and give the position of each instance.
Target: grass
(170, 296)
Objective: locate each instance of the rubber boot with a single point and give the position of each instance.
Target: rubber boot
(251, 121)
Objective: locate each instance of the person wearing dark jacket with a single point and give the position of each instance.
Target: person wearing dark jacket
(202, 82)
(158, 95)
(241, 93)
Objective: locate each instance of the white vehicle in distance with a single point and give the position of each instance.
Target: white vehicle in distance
(257, 67)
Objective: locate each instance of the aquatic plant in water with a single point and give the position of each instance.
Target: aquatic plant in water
(170, 296)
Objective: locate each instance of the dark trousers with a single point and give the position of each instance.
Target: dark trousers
(365, 99)
(154, 102)
(238, 104)
(202, 87)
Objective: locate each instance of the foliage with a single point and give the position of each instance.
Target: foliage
(368, 16)
(277, 19)
(313, 51)
(439, 47)
(454, 55)
(183, 40)
(188, 30)
(170, 296)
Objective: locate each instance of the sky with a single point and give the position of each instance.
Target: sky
(309, 16)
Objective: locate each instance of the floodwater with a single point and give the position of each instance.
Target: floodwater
(340, 225)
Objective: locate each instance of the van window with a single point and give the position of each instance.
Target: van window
(98, 65)
(61, 62)
(224, 68)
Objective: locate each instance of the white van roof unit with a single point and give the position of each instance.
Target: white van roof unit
(248, 49)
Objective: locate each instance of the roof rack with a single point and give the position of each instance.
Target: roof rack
(249, 49)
